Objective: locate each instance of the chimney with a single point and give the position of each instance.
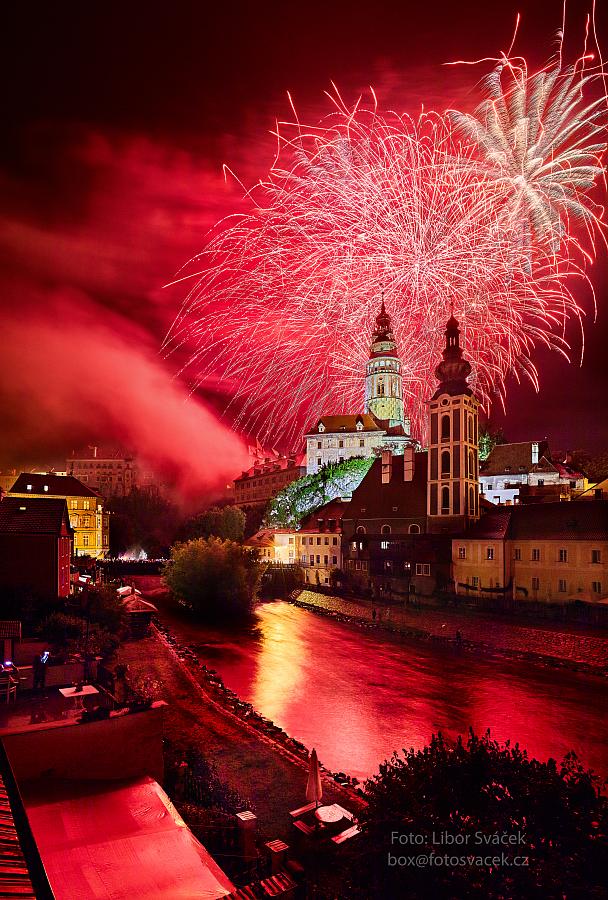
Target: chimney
(534, 452)
(408, 464)
(387, 466)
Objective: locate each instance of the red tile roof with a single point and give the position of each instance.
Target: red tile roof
(345, 423)
(33, 515)
(58, 486)
(516, 458)
(544, 522)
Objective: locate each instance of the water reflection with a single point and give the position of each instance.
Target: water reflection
(357, 696)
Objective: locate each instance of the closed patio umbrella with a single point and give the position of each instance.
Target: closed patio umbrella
(314, 788)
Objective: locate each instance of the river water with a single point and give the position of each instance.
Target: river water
(357, 695)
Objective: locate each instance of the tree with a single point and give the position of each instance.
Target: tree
(308, 493)
(488, 439)
(142, 520)
(227, 523)
(480, 787)
(217, 580)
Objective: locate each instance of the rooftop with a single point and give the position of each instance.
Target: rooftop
(345, 423)
(33, 515)
(516, 458)
(51, 485)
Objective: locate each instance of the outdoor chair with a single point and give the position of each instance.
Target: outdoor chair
(8, 688)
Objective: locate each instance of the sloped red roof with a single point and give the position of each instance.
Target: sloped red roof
(58, 486)
(345, 423)
(33, 515)
(515, 458)
(335, 509)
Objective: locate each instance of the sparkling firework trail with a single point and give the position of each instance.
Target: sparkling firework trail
(480, 214)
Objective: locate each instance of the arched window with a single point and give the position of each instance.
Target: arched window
(414, 529)
(445, 499)
(470, 419)
(381, 387)
(386, 529)
(471, 464)
(360, 529)
(445, 462)
(471, 501)
(445, 428)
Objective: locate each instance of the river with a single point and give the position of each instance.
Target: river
(357, 695)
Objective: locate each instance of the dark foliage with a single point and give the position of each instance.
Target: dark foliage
(143, 520)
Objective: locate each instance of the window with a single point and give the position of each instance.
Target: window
(29, 487)
(541, 482)
(340, 443)
(563, 555)
(360, 529)
(475, 581)
(596, 587)
(445, 500)
(596, 556)
(326, 540)
(318, 541)
(85, 540)
(517, 554)
(414, 529)
(361, 442)
(73, 504)
(423, 568)
(304, 557)
(86, 522)
(386, 529)
(535, 555)
(462, 553)
(325, 560)
(388, 565)
(445, 462)
(384, 545)
(291, 540)
(358, 564)
(573, 484)
(334, 541)
(86, 504)
(535, 583)
(318, 445)
(46, 488)
(334, 560)
(74, 521)
(445, 428)
(490, 553)
(318, 560)
(562, 586)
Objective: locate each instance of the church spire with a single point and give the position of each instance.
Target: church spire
(383, 378)
(453, 371)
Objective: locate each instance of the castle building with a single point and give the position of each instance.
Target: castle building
(383, 424)
(453, 461)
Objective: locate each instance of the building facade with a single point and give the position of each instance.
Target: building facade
(274, 545)
(319, 542)
(550, 552)
(525, 472)
(86, 509)
(35, 546)
(112, 473)
(254, 488)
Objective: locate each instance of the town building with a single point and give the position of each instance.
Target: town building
(35, 546)
(525, 472)
(547, 552)
(274, 545)
(319, 542)
(86, 508)
(112, 473)
(260, 483)
(383, 424)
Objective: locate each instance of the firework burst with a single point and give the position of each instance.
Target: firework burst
(475, 214)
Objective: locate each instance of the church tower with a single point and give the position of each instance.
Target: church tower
(453, 460)
(383, 379)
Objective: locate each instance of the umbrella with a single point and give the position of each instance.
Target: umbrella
(314, 788)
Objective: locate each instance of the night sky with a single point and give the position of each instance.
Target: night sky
(117, 118)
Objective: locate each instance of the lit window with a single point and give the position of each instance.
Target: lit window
(29, 487)
(384, 545)
(462, 553)
(423, 568)
(490, 553)
(73, 504)
(87, 504)
(85, 540)
(46, 488)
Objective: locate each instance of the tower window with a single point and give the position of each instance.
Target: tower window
(445, 428)
(414, 529)
(386, 529)
(445, 500)
(445, 462)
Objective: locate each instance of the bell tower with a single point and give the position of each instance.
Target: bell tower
(453, 459)
(383, 378)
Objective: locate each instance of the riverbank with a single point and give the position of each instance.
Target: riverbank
(251, 755)
(573, 648)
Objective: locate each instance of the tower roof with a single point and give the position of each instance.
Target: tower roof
(383, 339)
(453, 371)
